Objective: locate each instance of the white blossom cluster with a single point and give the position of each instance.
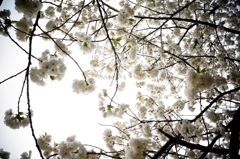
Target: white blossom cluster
(132, 45)
(120, 110)
(23, 26)
(94, 63)
(109, 110)
(4, 154)
(51, 24)
(136, 147)
(69, 149)
(26, 155)
(142, 112)
(50, 11)
(197, 82)
(146, 129)
(51, 66)
(235, 76)
(82, 86)
(61, 48)
(138, 72)
(191, 154)
(5, 14)
(15, 121)
(124, 15)
(44, 142)
(185, 128)
(213, 116)
(72, 149)
(29, 8)
(109, 139)
(85, 42)
(220, 130)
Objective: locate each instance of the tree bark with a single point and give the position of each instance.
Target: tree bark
(234, 139)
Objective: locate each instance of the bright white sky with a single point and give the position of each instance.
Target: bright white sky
(57, 110)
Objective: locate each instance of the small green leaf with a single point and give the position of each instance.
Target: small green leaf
(116, 155)
(119, 39)
(204, 70)
(52, 77)
(55, 144)
(116, 41)
(26, 38)
(93, 2)
(198, 69)
(131, 20)
(109, 107)
(85, 44)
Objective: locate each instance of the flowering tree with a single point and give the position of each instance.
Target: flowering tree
(186, 52)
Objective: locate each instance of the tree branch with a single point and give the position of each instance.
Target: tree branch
(190, 21)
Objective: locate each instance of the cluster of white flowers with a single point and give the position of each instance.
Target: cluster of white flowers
(118, 111)
(109, 139)
(136, 148)
(132, 55)
(142, 112)
(146, 129)
(213, 116)
(61, 48)
(124, 15)
(29, 8)
(51, 24)
(132, 45)
(2, 31)
(121, 86)
(230, 113)
(82, 86)
(69, 149)
(220, 130)
(138, 72)
(191, 154)
(159, 113)
(234, 76)
(153, 73)
(51, 66)
(23, 26)
(220, 81)
(94, 63)
(15, 121)
(185, 128)
(26, 155)
(44, 142)
(72, 149)
(85, 42)
(50, 11)
(4, 154)
(109, 110)
(178, 105)
(5, 14)
(197, 82)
